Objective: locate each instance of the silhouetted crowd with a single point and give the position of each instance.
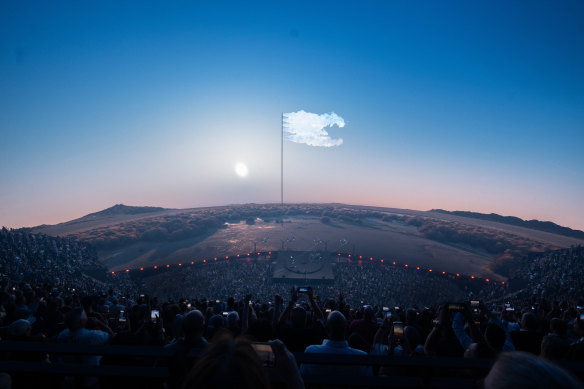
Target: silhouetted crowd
(242, 326)
(40, 258)
(551, 276)
(368, 282)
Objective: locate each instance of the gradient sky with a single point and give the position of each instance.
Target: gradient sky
(460, 105)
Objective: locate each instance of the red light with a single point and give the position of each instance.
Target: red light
(127, 270)
(141, 269)
(113, 272)
(487, 280)
(180, 264)
(269, 252)
(418, 268)
(371, 259)
(155, 266)
(214, 259)
(248, 254)
(349, 255)
(339, 254)
(259, 253)
(360, 257)
(502, 282)
(382, 261)
(430, 270)
(458, 275)
(192, 262)
(360, 262)
(406, 265)
(226, 257)
(472, 277)
(237, 255)
(394, 262)
(204, 261)
(167, 265)
(443, 272)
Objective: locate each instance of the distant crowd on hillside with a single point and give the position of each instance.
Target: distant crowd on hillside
(40, 258)
(551, 276)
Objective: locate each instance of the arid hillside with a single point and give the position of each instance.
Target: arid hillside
(130, 237)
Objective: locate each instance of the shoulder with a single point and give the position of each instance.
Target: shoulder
(355, 351)
(63, 335)
(315, 348)
(94, 336)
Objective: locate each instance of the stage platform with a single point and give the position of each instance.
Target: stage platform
(299, 267)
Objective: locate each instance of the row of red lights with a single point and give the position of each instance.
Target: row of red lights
(417, 267)
(339, 254)
(192, 262)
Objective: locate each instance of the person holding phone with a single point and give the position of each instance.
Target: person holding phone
(235, 363)
(576, 350)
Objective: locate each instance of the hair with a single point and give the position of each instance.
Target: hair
(554, 347)
(228, 363)
(514, 370)
(559, 326)
(75, 319)
(495, 337)
(336, 325)
(357, 341)
(193, 324)
(529, 321)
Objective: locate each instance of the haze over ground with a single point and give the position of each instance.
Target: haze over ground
(460, 106)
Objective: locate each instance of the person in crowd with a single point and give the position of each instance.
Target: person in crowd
(294, 327)
(576, 350)
(233, 363)
(528, 337)
(494, 340)
(442, 340)
(336, 343)
(515, 370)
(556, 343)
(193, 326)
(365, 327)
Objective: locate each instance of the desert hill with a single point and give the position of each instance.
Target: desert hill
(515, 221)
(144, 236)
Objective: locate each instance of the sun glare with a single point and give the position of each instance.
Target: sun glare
(240, 169)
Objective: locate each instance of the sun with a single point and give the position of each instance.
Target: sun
(241, 169)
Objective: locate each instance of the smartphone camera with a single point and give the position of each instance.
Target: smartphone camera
(154, 314)
(398, 331)
(456, 307)
(264, 352)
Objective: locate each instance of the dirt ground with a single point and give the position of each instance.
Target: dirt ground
(373, 238)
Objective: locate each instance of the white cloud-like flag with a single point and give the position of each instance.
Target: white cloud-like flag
(308, 128)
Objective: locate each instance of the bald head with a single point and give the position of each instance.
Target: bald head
(193, 324)
(336, 325)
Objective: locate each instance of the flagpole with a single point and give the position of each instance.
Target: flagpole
(282, 163)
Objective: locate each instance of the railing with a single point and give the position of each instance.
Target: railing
(403, 372)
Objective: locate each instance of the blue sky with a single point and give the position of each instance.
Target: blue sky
(461, 105)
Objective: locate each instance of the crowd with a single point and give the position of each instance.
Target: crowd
(48, 313)
(40, 258)
(550, 276)
(370, 309)
(368, 282)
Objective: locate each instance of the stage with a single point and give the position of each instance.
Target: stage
(299, 267)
